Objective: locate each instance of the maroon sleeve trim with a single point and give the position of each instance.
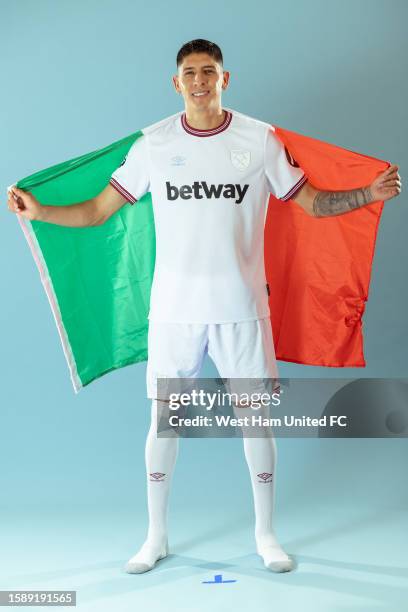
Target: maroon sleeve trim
(122, 191)
(294, 189)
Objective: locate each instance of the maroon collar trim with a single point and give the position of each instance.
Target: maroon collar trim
(196, 132)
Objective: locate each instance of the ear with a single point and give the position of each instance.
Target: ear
(176, 83)
(225, 79)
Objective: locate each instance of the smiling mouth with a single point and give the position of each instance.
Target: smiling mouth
(200, 94)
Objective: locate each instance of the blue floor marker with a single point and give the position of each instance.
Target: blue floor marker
(217, 580)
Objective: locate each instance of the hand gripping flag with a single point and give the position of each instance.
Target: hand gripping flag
(98, 279)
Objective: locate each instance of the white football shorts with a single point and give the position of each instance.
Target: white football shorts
(242, 350)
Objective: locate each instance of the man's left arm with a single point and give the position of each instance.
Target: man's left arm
(330, 203)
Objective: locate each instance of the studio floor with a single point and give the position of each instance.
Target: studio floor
(347, 533)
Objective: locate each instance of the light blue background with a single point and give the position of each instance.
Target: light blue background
(77, 76)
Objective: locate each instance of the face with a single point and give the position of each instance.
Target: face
(200, 80)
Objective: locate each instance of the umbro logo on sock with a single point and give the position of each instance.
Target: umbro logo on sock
(265, 477)
(200, 190)
(157, 477)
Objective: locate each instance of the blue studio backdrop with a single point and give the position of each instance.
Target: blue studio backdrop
(77, 76)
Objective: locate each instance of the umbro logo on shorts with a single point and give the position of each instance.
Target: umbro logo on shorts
(178, 160)
(200, 190)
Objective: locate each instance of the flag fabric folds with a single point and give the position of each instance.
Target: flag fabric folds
(98, 279)
(319, 269)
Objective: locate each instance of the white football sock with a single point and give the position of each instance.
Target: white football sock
(160, 456)
(261, 455)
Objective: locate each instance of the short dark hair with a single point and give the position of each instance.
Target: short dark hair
(199, 45)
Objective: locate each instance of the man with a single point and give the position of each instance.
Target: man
(210, 171)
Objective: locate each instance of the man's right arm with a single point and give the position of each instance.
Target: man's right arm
(84, 214)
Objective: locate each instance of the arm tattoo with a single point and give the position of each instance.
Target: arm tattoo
(330, 203)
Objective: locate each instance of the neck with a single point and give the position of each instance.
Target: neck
(205, 119)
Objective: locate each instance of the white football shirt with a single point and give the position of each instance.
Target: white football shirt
(210, 190)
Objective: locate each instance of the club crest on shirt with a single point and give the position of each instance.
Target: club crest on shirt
(240, 158)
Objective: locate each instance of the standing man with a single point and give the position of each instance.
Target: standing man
(210, 171)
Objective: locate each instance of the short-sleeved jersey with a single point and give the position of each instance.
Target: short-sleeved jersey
(210, 190)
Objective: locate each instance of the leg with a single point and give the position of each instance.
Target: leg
(260, 454)
(246, 351)
(175, 351)
(160, 455)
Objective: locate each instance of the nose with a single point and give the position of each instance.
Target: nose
(199, 79)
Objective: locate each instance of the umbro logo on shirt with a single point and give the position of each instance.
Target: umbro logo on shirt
(200, 190)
